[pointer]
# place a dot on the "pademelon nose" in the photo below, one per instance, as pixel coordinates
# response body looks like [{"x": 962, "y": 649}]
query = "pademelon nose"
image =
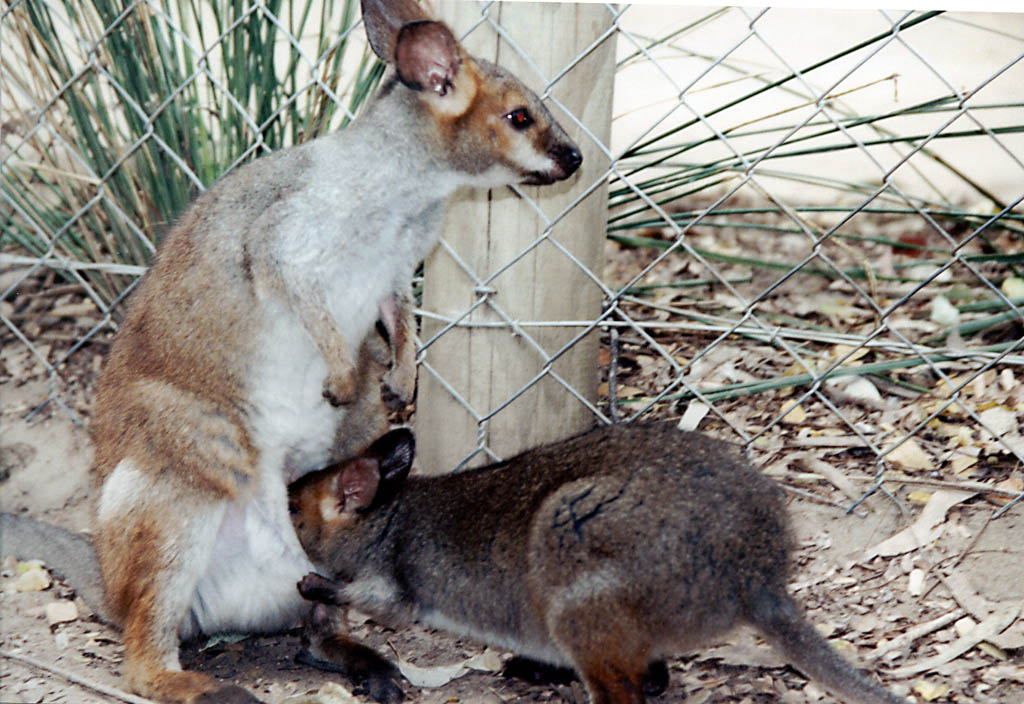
[{"x": 568, "y": 157}]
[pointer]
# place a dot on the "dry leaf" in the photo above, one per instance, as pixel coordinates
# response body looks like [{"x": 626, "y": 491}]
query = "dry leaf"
[
  {"x": 620, "y": 391},
  {"x": 930, "y": 692},
  {"x": 962, "y": 464},
  {"x": 793, "y": 414},
  {"x": 1000, "y": 420},
  {"x": 1011, "y": 484},
  {"x": 926, "y": 529},
  {"x": 1015, "y": 484},
  {"x": 439, "y": 676},
  {"x": 329, "y": 693},
  {"x": 838, "y": 479},
  {"x": 840, "y": 352},
  {"x": 431, "y": 677},
  {"x": 695, "y": 412},
  {"x": 487, "y": 661},
  {"x": 910, "y": 455}
]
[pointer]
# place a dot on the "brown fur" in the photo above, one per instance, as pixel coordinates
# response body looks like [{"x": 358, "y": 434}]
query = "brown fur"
[
  {"x": 137, "y": 565},
  {"x": 605, "y": 552}
]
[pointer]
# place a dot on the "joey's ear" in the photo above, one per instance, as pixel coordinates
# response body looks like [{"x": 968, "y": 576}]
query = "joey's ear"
[
  {"x": 396, "y": 451},
  {"x": 427, "y": 56},
  {"x": 357, "y": 484},
  {"x": 384, "y": 19}
]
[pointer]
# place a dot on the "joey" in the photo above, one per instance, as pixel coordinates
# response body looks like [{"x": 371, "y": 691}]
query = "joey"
[{"x": 605, "y": 553}]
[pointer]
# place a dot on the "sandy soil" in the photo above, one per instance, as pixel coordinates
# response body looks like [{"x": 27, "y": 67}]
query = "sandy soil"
[{"x": 857, "y": 601}]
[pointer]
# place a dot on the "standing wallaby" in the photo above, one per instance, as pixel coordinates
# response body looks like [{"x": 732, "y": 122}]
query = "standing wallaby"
[
  {"x": 606, "y": 553},
  {"x": 238, "y": 367}
]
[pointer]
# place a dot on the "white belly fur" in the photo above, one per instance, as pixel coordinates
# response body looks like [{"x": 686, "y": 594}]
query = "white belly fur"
[
  {"x": 290, "y": 421},
  {"x": 256, "y": 562}
]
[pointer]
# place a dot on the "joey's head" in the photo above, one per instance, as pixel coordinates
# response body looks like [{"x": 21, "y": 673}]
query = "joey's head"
[
  {"x": 489, "y": 127},
  {"x": 328, "y": 507}
]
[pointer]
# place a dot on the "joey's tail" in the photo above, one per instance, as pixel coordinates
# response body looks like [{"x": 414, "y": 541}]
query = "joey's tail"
[
  {"x": 779, "y": 619},
  {"x": 66, "y": 554}
]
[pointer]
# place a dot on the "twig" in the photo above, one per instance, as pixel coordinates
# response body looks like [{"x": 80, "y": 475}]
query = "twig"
[
  {"x": 832, "y": 474},
  {"x": 939, "y": 484},
  {"x": 903, "y": 642},
  {"x": 75, "y": 679},
  {"x": 811, "y": 497},
  {"x": 991, "y": 626}
]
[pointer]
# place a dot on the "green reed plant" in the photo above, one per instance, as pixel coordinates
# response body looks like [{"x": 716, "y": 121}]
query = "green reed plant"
[{"x": 117, "y": 116}]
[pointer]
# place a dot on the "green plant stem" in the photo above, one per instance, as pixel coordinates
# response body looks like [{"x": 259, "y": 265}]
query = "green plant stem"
[{"x": 747, "y": 388}]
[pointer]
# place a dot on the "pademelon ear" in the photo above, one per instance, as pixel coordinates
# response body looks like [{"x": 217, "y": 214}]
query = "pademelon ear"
[
  {"x": 357, "y": 485},
  {"x": 384, "y": 19},
  {"x": 395, "y": 451},
  {"x": 427, "y": 57}
]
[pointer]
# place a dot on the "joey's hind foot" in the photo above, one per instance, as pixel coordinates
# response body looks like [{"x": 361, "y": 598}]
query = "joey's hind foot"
[
  {"x": 228, "y": 694},
  {"x": 368, "y": 672},
  {"x": 327, "y": 646}
]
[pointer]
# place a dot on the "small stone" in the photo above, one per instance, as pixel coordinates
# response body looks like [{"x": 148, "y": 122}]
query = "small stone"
[
  {"x": 34, "y": 580},
  {"x": 61, "y": 612}
]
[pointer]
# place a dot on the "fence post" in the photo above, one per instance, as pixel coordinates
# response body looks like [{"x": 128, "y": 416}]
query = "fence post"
[{"x": 488, "y": 366}]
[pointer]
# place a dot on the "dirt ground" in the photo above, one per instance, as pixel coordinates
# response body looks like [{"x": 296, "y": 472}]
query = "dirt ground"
[{"x": 920, "y": 602}]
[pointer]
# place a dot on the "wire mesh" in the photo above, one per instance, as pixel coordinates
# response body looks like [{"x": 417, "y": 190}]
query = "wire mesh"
[{"x": 814, "y": 236}]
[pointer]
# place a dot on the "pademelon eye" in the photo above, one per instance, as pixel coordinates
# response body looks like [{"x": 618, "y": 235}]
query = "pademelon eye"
[{"x": 520, "y": 119}]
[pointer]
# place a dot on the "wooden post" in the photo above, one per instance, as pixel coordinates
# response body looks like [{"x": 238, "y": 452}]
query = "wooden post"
[{"x": 488, "y": 366}]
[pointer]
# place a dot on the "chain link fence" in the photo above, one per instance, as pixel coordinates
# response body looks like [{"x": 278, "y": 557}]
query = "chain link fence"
[{"x": 815, "y": 239}]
